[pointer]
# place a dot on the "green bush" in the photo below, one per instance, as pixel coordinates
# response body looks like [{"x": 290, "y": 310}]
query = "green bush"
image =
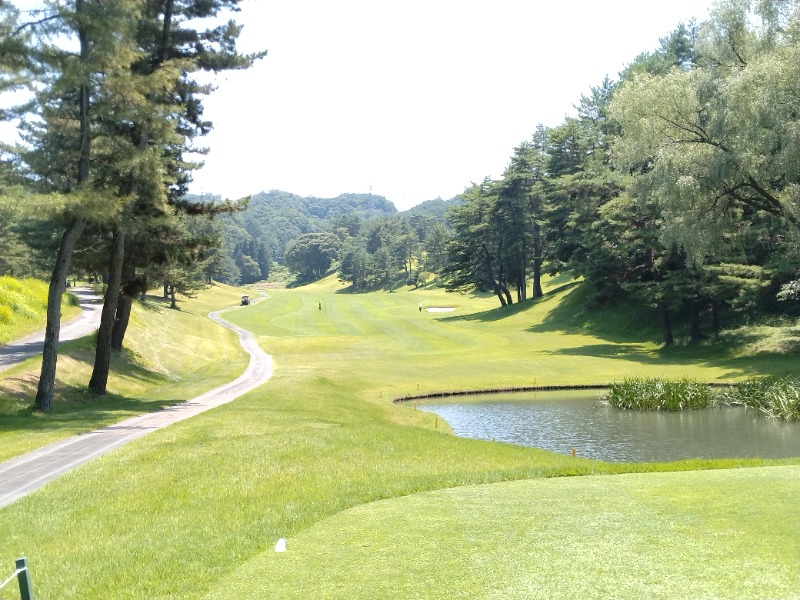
[
  {"x": 776, "y": 397},
  {"x": 659, "y": 394}
]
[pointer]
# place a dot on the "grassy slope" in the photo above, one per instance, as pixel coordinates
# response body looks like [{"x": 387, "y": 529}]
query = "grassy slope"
[
  {"x": 23, "y": 307},
  {"x": 174, "y": 514},
  {"x": 170, "y": 356}
]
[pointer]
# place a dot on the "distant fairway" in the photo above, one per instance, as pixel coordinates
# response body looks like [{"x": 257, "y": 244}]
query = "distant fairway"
[{"x": 197, "y": 507}]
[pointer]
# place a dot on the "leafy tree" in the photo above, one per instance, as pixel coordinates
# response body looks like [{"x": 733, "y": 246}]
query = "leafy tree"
[
  {"x": 435, "y": 248},
  {"x": 723, "y": 134},
  {"x": 519, "y": 213},
  {"x": 355, "y": 265},
  {"x": 476, "y": 249},
  {"x": 312, "y": 254},
  {"x": 172, "y": 48},
  {"x": 403, "y": 244},
  {"x": 248, "y": 268},
  {"x": 73, "y": 51},
  {"x": 677, "y": 50}
]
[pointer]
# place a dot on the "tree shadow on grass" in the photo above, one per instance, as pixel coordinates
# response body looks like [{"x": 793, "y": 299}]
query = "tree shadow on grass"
[
  {"x": 154, "y": 304},
  {"x": 74, "y": 406},
  {"x": 760, "y": 365},
  {"x": 631, "y": 331},
  {"x": 78, "y": 410},
  {"x": 504, "y": 312}
]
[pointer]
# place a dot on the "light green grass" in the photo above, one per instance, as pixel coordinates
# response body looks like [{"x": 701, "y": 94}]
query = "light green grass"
[
  {"x": 23, "y": 307},
  {"x": 169, "y": 357},
  {"x": 175, "y": 513},
  {"x": 590, "y": 537}
]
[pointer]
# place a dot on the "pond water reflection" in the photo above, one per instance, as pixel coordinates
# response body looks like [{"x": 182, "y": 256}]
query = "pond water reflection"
[{"x": 560, "y": 421}]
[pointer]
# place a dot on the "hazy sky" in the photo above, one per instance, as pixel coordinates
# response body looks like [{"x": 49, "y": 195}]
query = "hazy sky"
[{"x": 412, "y": 100}]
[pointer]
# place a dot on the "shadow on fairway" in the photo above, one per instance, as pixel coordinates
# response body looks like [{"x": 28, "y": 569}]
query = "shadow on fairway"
[
  {"x": 504, "y": 312},
  {"x": 77, "y": 409},
  {"x": 74, "y": 405}
]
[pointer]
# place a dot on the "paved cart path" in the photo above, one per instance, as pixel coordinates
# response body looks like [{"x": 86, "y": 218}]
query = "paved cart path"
[
  {"x": 24, "y": 474},
  {"x": 84, "y": 324}
]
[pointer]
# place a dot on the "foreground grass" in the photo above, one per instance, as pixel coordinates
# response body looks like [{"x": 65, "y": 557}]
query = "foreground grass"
[
  {"x": 170, "y": 356},
  {"x": 176, "y": 513},
  {"x": 588, "y": 537},
  {"x": 23, "y": 307}
]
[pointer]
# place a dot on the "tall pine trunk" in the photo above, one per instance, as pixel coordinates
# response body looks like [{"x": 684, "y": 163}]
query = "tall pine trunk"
[
  {"x": 124, "y": 305},
  {"x": 58, "y": 284},
  {"x": 537, "y": 261},
  {"x": 487, "y": 263},
  {"x": 666, "y": 326},
  {"x": 58, "y": 281},
  {"x": 102, "y": 357},
  {"x": 663, "y": 312},
  {"x": 715, "y": 319},
  {"x": 694, "y": 320}
]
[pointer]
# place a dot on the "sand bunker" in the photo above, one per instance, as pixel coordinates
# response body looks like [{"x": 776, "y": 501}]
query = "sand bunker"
[{"x": 440, "y": 308}]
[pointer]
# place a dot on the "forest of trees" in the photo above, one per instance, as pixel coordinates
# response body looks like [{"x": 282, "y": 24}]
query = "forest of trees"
[{"x": 675, "y": 185}]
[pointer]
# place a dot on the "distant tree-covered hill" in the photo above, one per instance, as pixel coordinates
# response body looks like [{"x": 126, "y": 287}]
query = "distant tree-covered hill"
[
  {"x": 258, "y": 236},
  {"x": 275, "y": 218},
  {"x": 435, "y": 210}
]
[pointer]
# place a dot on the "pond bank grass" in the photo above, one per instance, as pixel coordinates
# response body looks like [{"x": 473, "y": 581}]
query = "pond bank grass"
[
  {"x": 775, "y": 397},
  {"x": 640, "y": 393}
]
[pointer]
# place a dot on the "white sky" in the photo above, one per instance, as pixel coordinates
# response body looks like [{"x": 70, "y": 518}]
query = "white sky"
[{"x": 412, "y": 100}]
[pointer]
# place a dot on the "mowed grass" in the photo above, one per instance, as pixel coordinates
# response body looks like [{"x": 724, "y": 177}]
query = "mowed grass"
[
  {"x": 189, "y": 510},
  {"x": 588, "y": 537},
  {"x": 169, "y": 356}
]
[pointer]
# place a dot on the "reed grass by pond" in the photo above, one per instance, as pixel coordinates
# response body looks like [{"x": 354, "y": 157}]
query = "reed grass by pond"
[
  {"x": 775, "y": 397},
  {"x": 778, "y": 398}
]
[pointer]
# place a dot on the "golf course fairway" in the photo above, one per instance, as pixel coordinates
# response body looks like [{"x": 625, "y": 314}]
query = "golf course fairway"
[{"x": 375, "y": 501}]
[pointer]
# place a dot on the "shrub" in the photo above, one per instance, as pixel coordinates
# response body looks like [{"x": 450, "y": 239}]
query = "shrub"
[
  {"x": 658, "y": 394},
  {"x": 776, "y": 397}
]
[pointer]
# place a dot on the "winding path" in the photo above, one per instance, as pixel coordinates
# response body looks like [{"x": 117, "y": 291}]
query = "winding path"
[
  {"x": 26, "y": 473},
  {"x": 82, "y": 325}
]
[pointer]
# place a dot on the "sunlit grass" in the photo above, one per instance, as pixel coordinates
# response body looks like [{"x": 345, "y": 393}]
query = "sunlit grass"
[
  {"x": 169, "y": 356},
  {"x": 23, "y": 307},
  {"x": 589, "y": 537},
  {"x": 178, "y": 512}
]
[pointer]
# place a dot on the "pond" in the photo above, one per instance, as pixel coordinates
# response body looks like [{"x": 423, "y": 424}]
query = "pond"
[{"x": 561, "y": 421}]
